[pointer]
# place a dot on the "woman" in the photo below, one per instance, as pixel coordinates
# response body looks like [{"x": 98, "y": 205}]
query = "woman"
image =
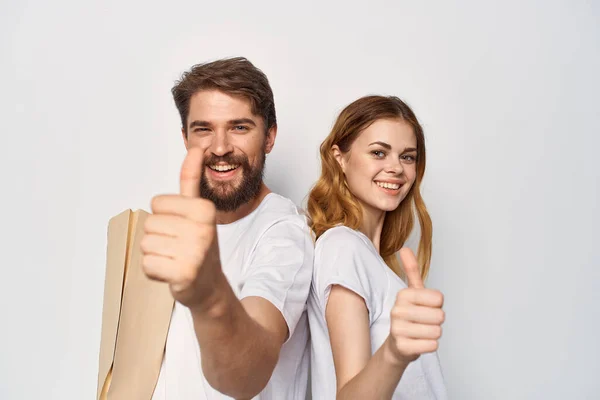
[{"x": 372, "y": 336}]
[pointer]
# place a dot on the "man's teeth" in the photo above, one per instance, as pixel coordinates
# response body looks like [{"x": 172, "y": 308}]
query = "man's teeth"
[
  {"x": 223, "y": 168},
  {"x": 394, "y": 186}
]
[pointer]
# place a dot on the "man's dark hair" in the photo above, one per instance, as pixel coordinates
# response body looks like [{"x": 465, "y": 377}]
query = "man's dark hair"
[{"x": 235, "y": 76}]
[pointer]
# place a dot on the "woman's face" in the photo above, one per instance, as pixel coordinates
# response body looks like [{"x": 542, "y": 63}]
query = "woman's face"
[{"x": 380, "y": 166}]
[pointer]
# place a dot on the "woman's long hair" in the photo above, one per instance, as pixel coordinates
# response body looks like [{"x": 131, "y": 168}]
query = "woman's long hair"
[{"x": 331, "y": 203}]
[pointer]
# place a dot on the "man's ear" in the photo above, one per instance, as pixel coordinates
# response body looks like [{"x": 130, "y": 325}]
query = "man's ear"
[
  {"x": 270, "y": 140},
  {"x": 185, "y": 139},
  {"x": 339, "y": 156}
]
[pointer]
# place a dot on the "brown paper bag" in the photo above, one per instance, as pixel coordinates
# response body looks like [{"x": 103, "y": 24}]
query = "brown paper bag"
[{"x": 135, "y": 316}]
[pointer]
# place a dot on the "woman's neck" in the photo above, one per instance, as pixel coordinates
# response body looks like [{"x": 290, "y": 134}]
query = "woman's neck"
[{"x": 372, "y": 224}]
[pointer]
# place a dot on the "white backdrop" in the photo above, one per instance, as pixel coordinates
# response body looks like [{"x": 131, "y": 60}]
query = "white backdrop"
[{"x": 507, "y": 93}]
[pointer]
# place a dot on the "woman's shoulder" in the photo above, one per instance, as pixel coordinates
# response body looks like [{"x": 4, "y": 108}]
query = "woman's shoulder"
[
  {"x": 346, "y": 257},
  {"x": 342, "y": 236},
  {"x": 346, "y": 245}
]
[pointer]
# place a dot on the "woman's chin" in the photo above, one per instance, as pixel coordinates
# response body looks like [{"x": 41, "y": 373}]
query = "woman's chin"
[{"x": 387, "y": 206}]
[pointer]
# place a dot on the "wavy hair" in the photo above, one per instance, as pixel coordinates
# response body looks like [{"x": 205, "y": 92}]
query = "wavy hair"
[
  {"x": 235, "y": 76},
  {"x": 331, "y": 203}
]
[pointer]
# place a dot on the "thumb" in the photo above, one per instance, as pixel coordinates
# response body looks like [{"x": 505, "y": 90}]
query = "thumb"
[
  {"x": 191, "y": 172},
  {"x": 411, "y": 268}
]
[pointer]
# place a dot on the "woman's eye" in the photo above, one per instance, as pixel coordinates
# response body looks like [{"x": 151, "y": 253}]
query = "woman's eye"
[
  {"x": 408, "y": 158},
  {"x": 378, "y": 153}
]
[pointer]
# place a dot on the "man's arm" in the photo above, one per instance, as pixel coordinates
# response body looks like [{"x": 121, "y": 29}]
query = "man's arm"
[
  {"x": 239, "y": 341},
  {"x": 243, "y": 338}
]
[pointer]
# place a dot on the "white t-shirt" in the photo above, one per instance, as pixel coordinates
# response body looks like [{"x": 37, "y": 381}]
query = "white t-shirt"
[
  {"x": 268, "y": 253},
  {"x": 348, "y": 258}
]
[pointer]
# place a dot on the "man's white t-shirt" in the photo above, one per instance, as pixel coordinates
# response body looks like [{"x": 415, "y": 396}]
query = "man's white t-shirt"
[
  {"x": 269, "y": 254},
  {"x": 348, "y": 258}
]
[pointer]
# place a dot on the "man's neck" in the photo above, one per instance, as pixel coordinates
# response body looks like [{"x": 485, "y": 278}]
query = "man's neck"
[{"x": 227, "y": 217}]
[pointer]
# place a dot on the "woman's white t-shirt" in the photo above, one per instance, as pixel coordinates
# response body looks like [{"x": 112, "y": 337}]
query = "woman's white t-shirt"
[{"x": 348, "y": 258}]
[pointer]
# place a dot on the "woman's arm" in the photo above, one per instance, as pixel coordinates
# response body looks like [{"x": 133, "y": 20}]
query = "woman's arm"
[
  {"x": 415, "y": 329},
  {"x": 359, "y": 376}
]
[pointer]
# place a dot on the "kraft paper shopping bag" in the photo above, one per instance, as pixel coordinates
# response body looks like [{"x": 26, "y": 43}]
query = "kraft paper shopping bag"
[{"x": 135, "y": 316}]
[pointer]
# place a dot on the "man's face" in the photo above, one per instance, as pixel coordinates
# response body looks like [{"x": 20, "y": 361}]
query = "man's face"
[{"x": 235, "y": 144}]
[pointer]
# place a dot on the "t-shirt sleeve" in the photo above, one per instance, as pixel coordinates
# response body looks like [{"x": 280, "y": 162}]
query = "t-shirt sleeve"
[
  {"x": 344, "y": 259},
  {"x": 280, "y": 269}
]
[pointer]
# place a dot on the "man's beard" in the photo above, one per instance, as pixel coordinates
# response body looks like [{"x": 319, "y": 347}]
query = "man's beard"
[{"x": 223, "y": 194}]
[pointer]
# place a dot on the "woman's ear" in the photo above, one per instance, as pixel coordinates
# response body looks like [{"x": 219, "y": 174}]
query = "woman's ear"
[{"x": 339, "y": 157}]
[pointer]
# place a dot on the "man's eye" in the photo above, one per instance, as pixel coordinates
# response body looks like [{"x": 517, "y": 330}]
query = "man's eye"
[{"x": 240, "y": 128}]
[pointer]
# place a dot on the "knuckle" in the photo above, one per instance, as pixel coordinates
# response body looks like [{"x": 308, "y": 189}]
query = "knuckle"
[
  {"x": 148, "y": 224},
  {"x": 148, "y": 267},
  {"x": 399, "y": 297},
  {"x": 203, "y": 211},
  {"x": 145, "y": 243},
  {"x": 208, "y": 206},
  {"x": 155, "y": 202},
  {"x": 442, "y": 316},
  {"x": 439, "y": 297},
  {"x": 400, "y": 313},
  {"x": 402, "y": 295},
  {"x": 145, "y": 263}
]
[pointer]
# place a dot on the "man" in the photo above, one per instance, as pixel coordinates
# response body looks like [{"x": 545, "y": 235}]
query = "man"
[{"x": 237, "y": 257}]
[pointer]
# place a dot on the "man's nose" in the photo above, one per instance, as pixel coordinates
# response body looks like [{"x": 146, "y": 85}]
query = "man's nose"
[{"x": 220, "y": 144}]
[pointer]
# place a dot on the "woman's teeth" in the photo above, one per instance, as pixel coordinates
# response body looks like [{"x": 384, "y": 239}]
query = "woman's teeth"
[
  {"x": 385, "y": 185},
  {"x": 222, "y": 168}
]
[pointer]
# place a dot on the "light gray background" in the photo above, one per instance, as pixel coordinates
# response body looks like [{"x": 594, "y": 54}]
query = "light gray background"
[{"x": 507, "y": 92}]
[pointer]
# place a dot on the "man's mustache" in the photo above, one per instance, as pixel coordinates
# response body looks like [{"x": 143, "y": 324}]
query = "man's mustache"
[{"x": 228, "y": 159}]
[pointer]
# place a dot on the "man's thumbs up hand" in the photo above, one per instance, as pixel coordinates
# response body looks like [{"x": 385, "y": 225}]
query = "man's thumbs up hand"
[{"x": 180, "y": 243}]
